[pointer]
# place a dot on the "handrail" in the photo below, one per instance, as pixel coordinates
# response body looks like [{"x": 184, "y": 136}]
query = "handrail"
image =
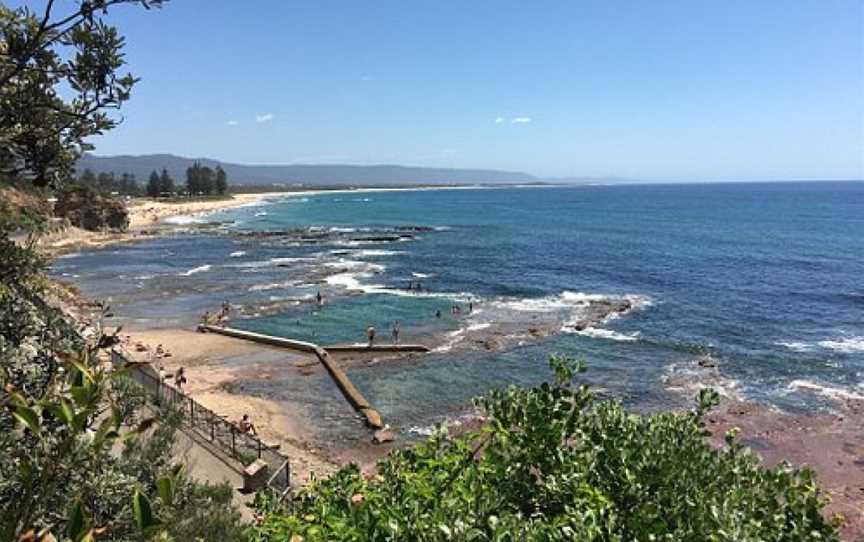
[{"x": 211, "y": 426}]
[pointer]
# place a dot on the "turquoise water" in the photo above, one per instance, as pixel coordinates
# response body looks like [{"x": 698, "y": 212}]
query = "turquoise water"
[{"x": 764, "y": 281}]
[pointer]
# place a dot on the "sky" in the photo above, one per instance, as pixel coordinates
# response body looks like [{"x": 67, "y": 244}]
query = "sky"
[{"x": 664, "y": 90}]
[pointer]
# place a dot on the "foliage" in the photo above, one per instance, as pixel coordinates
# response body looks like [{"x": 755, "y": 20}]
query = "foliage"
[
  {"x": 84, "y": 208},
  {"x": 201, "y": 180},
  {"x": 551, "y": 463},
  {"x": 44, "y": 57},
  {"x": 109, "y": 183},
  {"x": 79, "y": 452}
]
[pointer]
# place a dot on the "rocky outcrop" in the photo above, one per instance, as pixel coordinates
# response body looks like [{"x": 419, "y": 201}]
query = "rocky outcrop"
[{"x": 88, "y": 210}]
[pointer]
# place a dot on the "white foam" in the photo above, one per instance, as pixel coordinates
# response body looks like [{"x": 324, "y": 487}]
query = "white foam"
[
  {"x": 848, "y": 345},
  {"x": 421, "y": 275},
  {"x": 372, "y": 253},
  {"x": 181, "y": 220},
  {"x": 350, "y": 281},
  {"x": 845, "y": 345},
  {"x": 292, "y": 260},
  {"x": 261, "y": 213},
  {"x": 601, "y": 333},
  {"x": 478, "y": 327},
  {"x": 832, "y": 392},
  {"x": 336, "y": 229},
  {"x": 144, "y": 277},
  {"x": 194, "y": 270},
  {"x": 237, "y": 254},
  {"x": 796, "y": 346},
  {"x": 271, "y": 286}
]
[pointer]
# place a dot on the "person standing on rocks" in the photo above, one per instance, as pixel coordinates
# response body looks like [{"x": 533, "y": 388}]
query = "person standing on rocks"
[
  {"x": 396, "y": 332},
  {"x": 370, "y": 334}
]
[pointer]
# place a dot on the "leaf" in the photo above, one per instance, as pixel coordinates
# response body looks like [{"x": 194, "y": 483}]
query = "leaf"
[
  {"x": 28, "y": 417},
  {"x": 76, "y": 524},
  {"x": 166, "y": 486},
  {"x": 143, "y": 512},
  {"x": 62, "y": 411}
]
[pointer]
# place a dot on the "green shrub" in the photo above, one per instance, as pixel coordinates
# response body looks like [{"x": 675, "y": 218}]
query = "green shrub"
[{"x": 551, "y": 463}]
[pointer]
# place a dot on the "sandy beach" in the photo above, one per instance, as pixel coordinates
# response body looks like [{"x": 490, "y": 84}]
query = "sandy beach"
[{"x": 146, "y": 220}]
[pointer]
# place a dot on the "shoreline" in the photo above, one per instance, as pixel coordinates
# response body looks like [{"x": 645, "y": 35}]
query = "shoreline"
[
  {"x": 147, "y": 217},
  {"x": 830, "y": 443},
  {"x": 146, "y": 221}
]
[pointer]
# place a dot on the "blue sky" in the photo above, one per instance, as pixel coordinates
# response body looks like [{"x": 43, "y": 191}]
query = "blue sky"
[{"x": 660, "y": 90}]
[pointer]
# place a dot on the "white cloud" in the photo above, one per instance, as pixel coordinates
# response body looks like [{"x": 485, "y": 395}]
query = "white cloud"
[
  {"x": 266, "y": 117},
  {"x": 521, "y": 120},
  {"x": 232, "y": 123},
  {"x": 499, "y": 120}
]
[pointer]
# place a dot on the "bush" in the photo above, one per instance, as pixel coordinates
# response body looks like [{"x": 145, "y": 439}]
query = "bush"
[{"x": 551, "y": 463}]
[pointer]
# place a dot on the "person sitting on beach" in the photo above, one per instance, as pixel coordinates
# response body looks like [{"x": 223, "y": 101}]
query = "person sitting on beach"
[
  {"x": 396, "y": 332},
  {"x": 370, "y": 334},
  {"x": 245, "y": 426},
  {"x": 180, "y": 378}
]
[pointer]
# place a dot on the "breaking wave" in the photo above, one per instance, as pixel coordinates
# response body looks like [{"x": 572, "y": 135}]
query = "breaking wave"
[{"x": 199, "y": 269}]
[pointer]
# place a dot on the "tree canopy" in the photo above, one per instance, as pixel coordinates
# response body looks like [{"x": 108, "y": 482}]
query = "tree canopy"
[{"x": 42, "y": 133}]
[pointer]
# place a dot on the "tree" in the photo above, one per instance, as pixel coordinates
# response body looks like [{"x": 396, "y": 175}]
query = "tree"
[
  {"x": 44, "y": 57},
  {"x": 193, "y": 179},
  {"x": 221, "y": 185},
  {"x": 166, "y": 183},
  {"x": 154, "y": 185},
  {"x": 207, "y": 180}
]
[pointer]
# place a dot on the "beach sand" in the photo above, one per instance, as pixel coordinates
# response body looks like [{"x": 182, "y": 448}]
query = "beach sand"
[
  {"x": 214, "y": 365},
  {"x": 146, "y": 218}
]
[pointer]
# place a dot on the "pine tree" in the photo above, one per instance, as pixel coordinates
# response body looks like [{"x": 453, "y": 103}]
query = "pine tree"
[
  {"x": 221, "y": 181},
  {"x": 207, "y": 180},
  {"x": 154, "y": 185},
  {"x": 166, "y": 183},
  {"x": 193, "y": 179}
]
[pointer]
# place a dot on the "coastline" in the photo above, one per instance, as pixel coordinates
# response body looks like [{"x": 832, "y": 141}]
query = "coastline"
[
  {"x": 832, "y": 444},
  {"x": 146, "y": 220}
]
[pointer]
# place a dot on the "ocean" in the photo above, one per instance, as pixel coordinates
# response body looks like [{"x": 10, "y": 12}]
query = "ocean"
[{"x": 754, "y": 289}]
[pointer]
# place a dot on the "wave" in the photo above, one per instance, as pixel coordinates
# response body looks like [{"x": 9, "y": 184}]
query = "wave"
[
  {"x": 271, "y": 286},
  {"x": 261, "y": 213},
  {"x": 372, "y": 253},
  {"x": 600, "y": 333},
  {"x": 194, "y": 270},
  {"x": 422, "y": 275},
  {"x": 181, "y": 220},
  {"x": 237, "y": 254},
  {"x": 845, "y": 345},
  {"x": 144, "y": 277}
]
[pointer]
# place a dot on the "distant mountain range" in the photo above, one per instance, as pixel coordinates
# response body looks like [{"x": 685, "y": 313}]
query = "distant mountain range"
[{"x": 314, "y": 175}]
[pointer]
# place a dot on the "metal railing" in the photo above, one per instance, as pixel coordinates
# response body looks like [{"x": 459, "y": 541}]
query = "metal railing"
[{"x": 209, "y": 425}]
